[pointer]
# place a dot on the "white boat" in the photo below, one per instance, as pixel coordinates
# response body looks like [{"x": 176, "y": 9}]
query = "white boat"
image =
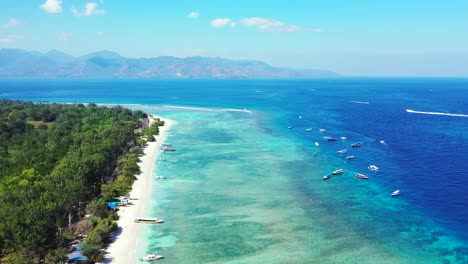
[
  {"x": 326, "y": 177},
  {"x": 343, "y": 138},
  {"x": 151, "y": 257},
  {"x": 382, "y": 142},
  {"x": 290, "y": 127},
  {"x": 308, "y": 129},
  {"x": 160, "y": 177},
  {"x": 373, "y": 168},
  {"x": 343, "y": 151},
  {"x": 317, "y": 144},
  {"x": 337, "y": 172},
  {"x": 300, "y": 117},
  {"x": 350, "y": 157},
  {"x": 148, "y": 220},
  {"x": 322, "y": 130},
  {"x": 396, "y": 193}
]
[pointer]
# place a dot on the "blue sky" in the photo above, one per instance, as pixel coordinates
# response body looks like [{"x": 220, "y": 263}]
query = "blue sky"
[{"x": 362, "y": 38}]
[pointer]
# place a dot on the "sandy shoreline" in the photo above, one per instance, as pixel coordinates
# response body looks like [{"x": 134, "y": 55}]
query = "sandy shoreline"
[{"x": 125, "y": 246}]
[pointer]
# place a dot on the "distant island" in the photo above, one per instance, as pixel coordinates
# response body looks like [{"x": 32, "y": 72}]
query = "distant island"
[{"x": 15, "y": 63}]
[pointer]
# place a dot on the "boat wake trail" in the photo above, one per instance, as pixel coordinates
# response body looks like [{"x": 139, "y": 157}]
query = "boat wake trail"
[
  {"x": 435, "y": 113},
  {"x": 359, "y": 102}
]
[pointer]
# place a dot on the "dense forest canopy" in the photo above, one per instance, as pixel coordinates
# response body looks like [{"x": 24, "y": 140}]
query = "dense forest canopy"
[{"x": 58, "y": 162}]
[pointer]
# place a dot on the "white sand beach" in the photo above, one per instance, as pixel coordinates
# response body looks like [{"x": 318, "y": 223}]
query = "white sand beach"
[{"x": 125, "y": 246}]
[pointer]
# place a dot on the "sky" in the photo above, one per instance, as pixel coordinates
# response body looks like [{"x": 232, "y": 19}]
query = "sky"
[{"x": 355, "y": 38}]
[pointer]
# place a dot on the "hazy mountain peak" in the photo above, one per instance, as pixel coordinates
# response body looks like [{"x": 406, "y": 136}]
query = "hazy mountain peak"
[{"x": 109, "y": 64}]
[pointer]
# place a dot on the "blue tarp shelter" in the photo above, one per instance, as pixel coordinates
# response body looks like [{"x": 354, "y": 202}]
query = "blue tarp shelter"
[
  {"x": 112, "y": 205},
  {"x": 77, "y": 256}
]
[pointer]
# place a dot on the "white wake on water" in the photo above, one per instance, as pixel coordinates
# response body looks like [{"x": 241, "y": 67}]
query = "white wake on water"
[{"x": 435, "y": 113}]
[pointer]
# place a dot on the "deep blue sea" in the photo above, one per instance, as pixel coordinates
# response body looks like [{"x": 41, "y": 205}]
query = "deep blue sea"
[{"x": 423, "y": 155}]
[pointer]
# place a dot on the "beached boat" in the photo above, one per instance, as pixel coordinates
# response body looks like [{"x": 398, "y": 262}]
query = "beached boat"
[
  {"x": 160, "y": 177},
  {"x": 317, "y": 144},
  {"x": 308, "y": 129},
  {"x": 337, "y": 172},
  {"x": 151, "y": 257},
  {"x": 350, "y": 157},
  {"x": 362, "y": 176},
  {"x": 343, "y": 151},
  {"x": 343, "y": 138},
  {"x": 373, "y": 168},
  {"x": 322, "y": 130},
  {"x": 148, "y": 220},
  {"x": 326, "y": 177},
  {"x": 356, "y": 145},
  {"x": 396, "y": 193}
]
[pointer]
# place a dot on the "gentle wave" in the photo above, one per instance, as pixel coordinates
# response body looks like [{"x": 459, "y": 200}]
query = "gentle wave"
[
  {"x": 208, "y": 109},
  {"x": 435, "y": 113},
  {"x": 359, "y": 102}
]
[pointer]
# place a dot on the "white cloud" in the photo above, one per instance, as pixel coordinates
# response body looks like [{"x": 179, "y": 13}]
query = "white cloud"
[
  {"x": 261, "y": 23},
  {"x": 52, "y": 6},
  {"x": 13, "y": 22},
  {"x": 64, "y": 36},
  {"x": 273, "y": 25},
  {"x": 221, "y": 22},
  {"x": 10, "y": 39},
  {"x": 193, "y": 14},
  {"x": 90, "y": 9}
]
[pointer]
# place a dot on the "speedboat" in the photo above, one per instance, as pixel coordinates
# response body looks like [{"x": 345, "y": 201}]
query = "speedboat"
[
  {"x": 373, "y": 168},
  {"x": 290, "y": 127},
  {"x": 151, "y": 257},
  {"x": 343, "y": 138},
  {"x": 350, "y": 157},
  {"x": 382, "y": 142},
  {"x": 317, "y": 144},
  {"x": 322, "y": 130},
  {"x": 356, "y": 145},
  {"x": 339, "y": 171},
  {"x": 326, "y": 177},
  {"x": 396, "y": 193},
  {"x": 343, "y": 151},
  {"x": 362, "y": 176},
  {"x": 309, "y": 129}
]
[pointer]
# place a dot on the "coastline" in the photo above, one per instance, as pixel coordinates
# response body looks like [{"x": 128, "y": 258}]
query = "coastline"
[{"x": 124, "y": 246}]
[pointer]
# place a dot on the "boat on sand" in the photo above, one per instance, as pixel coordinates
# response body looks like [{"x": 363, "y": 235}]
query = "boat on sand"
[{"x": 151, "y": 257}]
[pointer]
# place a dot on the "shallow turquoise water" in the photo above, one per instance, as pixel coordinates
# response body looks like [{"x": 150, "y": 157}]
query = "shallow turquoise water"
[{"x": 238, "y": 193}]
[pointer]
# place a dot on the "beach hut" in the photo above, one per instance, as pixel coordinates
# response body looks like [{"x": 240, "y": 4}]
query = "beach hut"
[{"x": 77, "y": 257}]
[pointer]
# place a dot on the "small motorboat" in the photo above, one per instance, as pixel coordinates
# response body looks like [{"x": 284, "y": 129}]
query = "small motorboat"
[
  {"x": 317, "y": 144},
  {"x": 160, "y": 177},
  {"x": 300, "y": 117},
  {"x": 343, "y": 138},
  {"x": 350, "y": 157},
  {"x": 326, "y": 177},
  {"x": 330, "y": 138},
  {"x": 373, "y": 168},
  {"x": 343, "y": 151},
  {"x": 396, "y": 193},
  {"x": 151, "y": 257},
  {"x": 290, "y": 127},
  {"x": 162, "y": 159},
  {"x": 382, "y": 142},
  {"x": 337, "y": 172},
  {"x": 308, "y": 129},
  {"x": 356, "y": 145},
  {"x": 361, "y": 176},
  {"x": 322, "y": 130}
]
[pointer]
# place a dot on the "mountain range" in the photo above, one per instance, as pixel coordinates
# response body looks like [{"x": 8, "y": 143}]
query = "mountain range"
[{"x": 15, "y": 63}]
